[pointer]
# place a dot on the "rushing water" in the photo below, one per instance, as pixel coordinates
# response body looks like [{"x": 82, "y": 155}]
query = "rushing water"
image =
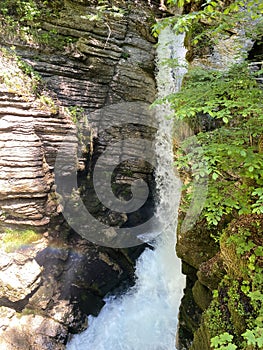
[{"x": 145, "y": 318}]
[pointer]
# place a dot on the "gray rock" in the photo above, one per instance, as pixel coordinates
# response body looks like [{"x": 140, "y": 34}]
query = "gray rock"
[{"x": 48, "y": 289}]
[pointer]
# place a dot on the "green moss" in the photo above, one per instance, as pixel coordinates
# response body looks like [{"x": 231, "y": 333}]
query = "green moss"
[
  {"x": 27, "y": 311},
  {"x": 17, "y": 76},
  {"x": 236, "y": 266},
  {"x": 202, "y": 295},
  {"x": 211, "y": 272},
  {"x": 46, "y": 102},
  {"x": 22, "y": 21},
  {"x": 237, "y": 305},
  {"x": 13, "y": 240},
  {"x": 201, "y": 339}
]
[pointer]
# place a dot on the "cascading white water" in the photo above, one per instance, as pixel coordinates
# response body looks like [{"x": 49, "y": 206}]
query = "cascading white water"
[{"x": 145, "y": 318}]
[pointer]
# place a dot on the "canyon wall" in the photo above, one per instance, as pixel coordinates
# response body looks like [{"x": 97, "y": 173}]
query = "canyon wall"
[
  {"x": 218, "y": 301},
  {"x": 91, "y": 80}
]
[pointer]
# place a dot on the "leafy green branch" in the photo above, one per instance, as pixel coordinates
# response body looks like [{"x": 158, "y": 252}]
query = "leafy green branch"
[
  {"x": 105, "y": 9},
  {"x": 223, "y": 342},
  {"x": 205, "y": 21},
  {"x": 21, "y": 21},
  {"x": 225, "y": 111}
]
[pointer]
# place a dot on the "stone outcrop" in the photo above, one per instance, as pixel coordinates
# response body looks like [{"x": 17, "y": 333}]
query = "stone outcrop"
[
  {"x": 29, "y": 139},
  {"x": 18, "y": 277},
  {"x": 232, "y": 307},
  {"x": 106, "y": 66},
  {"x": 15, "y": 335}
]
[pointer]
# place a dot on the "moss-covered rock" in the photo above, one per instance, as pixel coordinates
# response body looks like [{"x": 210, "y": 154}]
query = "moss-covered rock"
[
  {"x": 237, "y": 305},
  {"x": 211, "y": 271},
  {"x": 196, "y": 245},
  {"x": 189, "y": 315},
  {"x": 201, "y": 339},
  {"x": 202, "y": 295}
]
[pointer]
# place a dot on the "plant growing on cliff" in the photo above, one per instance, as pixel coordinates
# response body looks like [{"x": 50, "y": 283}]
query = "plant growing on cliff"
[
  {"x": 47, "y": 103},
  {"x": 254, "y": 337},
  {"x": 15, "y": 239},
  {"x": 224, "y": 108},
  {"x": 239, "y": 294},
  {"x": 103, "y": 12},
  {"x": 104, "y": 9},
  {"x": 223, "y": 342},
  {"x": 18, "y": 76},
  {"x": 206, "y": 20},
  {"x": 77, "y": 113},
  {"x": 225, "y": 111},
  {"x": 22, "y": 20}
]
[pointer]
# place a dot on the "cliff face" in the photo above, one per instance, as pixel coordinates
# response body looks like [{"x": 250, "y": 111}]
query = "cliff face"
[
  {"x": 99, "y": 64},
  {"x": 223, "y": 259},
  {"x": 106, "y": 62},
  {"x": 29, "y": 139},
  {"x": 51, "y": 277}
]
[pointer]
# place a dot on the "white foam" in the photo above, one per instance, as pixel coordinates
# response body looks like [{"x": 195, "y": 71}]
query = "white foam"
[{"x": 146, "y": 317}]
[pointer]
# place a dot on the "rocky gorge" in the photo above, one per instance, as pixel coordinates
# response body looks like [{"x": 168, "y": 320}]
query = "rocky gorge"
[
  {"x": 71, "y": 69},
  {"x": 56, "y": 277}
]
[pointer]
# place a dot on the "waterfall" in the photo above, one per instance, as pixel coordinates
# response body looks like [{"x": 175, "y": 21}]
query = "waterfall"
[{"x": 146, "y": 317}]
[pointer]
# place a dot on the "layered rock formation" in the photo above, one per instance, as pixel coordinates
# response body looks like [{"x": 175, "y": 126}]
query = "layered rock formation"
[
  {"x": 109, "y": 62},
  {"x": 29, "y": 139}
]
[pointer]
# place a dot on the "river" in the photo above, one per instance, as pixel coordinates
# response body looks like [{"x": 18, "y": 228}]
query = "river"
[{"x": 146, "y": 317}]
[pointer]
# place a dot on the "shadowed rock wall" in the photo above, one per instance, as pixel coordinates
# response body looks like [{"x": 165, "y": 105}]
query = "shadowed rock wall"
[{"x": 105, "y": 63}]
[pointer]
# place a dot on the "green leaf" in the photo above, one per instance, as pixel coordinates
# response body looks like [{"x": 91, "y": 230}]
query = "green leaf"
[
  {"x": 226, "y": 337},
  {"x": 243, "y": 153},
  {"x": 215, "y": 341},
  {"x": 257, "y": 295},
  {"x": 209, "y": 8},
  {"x": 258, "y": 191},
  {"x": 230, "y": 347},
  {"x": 259, "y": 251},
  {"x": 215, "y": 176},
  {"x": 250, "y": 337}
]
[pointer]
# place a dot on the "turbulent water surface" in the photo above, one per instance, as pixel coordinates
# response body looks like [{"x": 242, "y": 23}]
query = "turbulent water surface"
[{"x": 145, "y": 318}]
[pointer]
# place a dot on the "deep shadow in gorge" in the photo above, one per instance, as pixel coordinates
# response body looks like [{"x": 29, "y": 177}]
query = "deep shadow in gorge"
[{"x": 69, "y": 275}]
